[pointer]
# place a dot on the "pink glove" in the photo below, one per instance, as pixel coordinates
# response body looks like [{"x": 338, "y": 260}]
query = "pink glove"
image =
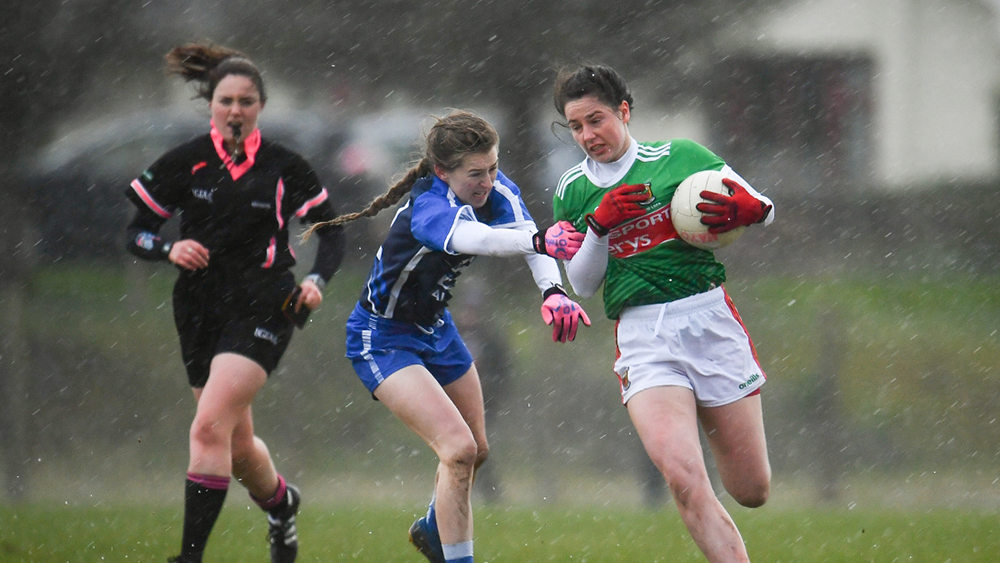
[
  {"x": 558, "y": 241},
  {"x": 564, "y": 315},
  {"x": 728, "y": 212}
]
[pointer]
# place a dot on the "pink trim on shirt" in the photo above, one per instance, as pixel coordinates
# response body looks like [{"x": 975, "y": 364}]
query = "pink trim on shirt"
[
  {"x": 272, "y": 249},
  {"x": 250, "y": 145},
  {"x": 146, "y": 197},
  {"x": 279, "y": 194},
  {"x": 312, "y": 203}
]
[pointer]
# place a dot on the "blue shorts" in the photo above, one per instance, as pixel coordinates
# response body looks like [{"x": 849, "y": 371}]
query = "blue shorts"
[{"x": 379, "y": 347}]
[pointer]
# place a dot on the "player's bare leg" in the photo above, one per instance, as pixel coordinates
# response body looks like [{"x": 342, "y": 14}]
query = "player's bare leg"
[
  {"x": 666, "y": 420},
  {"x": 418, "y": 400},
  {"x": 223, "y": 404},
  {"x": 252, "y": 464},
  {"x": 251, "y": 460},
  {"x": 735, "y": 434},
  {"x": 467, "y": 394}
]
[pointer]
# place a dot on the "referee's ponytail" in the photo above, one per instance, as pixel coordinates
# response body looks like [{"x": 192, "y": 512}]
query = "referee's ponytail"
[
  {"x": 451, "y": 139},
  {"x": 207, "y": 64}
]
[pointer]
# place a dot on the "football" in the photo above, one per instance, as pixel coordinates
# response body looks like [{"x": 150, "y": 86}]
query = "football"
[{"x": 686, "y": 217}]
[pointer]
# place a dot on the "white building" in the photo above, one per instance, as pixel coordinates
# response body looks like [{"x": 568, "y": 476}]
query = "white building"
[{"x": 897, "y": 93}]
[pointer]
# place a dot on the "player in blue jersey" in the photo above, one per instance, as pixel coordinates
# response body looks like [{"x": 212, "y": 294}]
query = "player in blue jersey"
[{"x": 401, "y": 337}]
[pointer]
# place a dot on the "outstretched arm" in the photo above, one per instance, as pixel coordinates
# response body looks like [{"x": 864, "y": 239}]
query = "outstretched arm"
[
  {"x": 586, "y": 270},
  {"x": 472, "y": 237}
]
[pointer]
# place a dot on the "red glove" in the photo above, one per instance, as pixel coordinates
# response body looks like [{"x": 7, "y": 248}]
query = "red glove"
[
  {"x": 564, "y": 315},
  {"x": 558, "y": 241},
  {"x": 728, "y": 212},
  {"x": 617, "y": 206}
]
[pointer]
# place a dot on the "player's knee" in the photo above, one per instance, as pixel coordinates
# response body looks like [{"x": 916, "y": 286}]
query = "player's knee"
[
  {"x": 460, "y": 455},
  {"x": 687, "y": 480},
  {"x": 750, "y": 487},
  {"x": 207, "y": 434}
]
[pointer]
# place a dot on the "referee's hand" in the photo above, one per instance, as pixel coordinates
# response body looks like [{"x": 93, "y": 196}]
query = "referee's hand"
[
  {"x": 311, "y": 296},
  {"x": 189, "y": 254}
]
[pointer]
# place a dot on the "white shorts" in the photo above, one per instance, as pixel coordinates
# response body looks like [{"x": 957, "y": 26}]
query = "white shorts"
[{"x": 698, "y": 342}]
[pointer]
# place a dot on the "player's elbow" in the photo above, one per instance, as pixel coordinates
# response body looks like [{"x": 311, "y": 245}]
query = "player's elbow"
[
  {"x": 583, "y": 292},
  {"x": 582, "y": 286}
]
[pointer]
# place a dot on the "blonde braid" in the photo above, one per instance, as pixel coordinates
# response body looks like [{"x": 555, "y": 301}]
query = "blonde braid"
[{"x": 388, "y": 199}]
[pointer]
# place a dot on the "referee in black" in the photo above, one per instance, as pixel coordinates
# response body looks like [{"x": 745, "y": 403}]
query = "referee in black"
[{"x": 235, "y": 301}]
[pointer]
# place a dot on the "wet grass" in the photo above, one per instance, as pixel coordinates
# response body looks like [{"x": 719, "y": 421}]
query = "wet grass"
[{"x": 75, "y": 534}]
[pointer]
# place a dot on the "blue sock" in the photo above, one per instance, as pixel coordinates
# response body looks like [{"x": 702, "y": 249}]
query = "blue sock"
[
  {"x": 458, "y": 552},
  {"x": 432, "y": 516}
]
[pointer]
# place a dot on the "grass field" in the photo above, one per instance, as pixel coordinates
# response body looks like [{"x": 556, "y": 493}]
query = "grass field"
[
  {"x": 917, "y": 476},
  {"x": 74, "y": 534}
]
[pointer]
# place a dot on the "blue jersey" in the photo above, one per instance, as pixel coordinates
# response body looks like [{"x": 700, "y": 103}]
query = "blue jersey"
[{"x": 415, "y": 268}]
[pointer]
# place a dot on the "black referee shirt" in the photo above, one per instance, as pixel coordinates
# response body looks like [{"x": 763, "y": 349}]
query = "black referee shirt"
[{"x": 240, "y": 213}]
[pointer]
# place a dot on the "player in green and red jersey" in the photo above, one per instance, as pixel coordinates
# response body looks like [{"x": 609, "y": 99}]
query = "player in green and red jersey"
[{"x": 684, "y": 357}]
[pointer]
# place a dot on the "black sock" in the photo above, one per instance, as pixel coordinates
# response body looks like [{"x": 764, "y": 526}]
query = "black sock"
[{"x": 202, "y": 506}]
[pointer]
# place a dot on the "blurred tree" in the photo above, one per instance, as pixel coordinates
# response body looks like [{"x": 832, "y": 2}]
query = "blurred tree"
[
  {"x": 501, "y": 53},
  {"x": 22, "y": 62},
  {"x": 51, "y": 52}
]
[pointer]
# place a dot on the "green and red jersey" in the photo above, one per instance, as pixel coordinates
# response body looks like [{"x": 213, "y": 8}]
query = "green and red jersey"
[{"x": 647, "y": 263}]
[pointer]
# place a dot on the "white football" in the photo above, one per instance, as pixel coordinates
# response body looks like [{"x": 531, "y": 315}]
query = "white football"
[{"x": 686, "y": 217}]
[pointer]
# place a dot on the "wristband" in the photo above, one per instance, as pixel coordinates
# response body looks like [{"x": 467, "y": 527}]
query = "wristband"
[
  {"x": 554, "y": 290},
  {"x": 316, "y": 279},
  {"x": 593, "y": 225},
  {"x": 538, "y": 242}
]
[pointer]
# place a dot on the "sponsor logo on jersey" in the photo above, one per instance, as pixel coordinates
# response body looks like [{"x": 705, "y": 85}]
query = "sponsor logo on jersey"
[
  {"x": 260, "y": 204},
  {"x": 198, "y": 167},
  {"x": 750, "y": 381},
  {"x": 202, "y": 193},
  {"x": 265, "y": 334},
  {"x": 644, "y": 233}
]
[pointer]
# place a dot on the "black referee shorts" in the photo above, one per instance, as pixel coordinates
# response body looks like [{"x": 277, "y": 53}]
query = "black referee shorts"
[{"x": 213, "y": 320}]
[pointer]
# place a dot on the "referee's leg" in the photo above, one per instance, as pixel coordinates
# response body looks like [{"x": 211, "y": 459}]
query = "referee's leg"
[{"x": 223, "y": 404}]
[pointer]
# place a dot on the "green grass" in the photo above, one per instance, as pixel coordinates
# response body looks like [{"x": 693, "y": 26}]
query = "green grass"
[
  {"x": 918, "y": 391},
  {"x": 75, "y": 534}
]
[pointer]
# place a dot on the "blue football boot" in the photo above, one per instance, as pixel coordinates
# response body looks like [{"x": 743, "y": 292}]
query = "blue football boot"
[{"x": 426, "y": 540}]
